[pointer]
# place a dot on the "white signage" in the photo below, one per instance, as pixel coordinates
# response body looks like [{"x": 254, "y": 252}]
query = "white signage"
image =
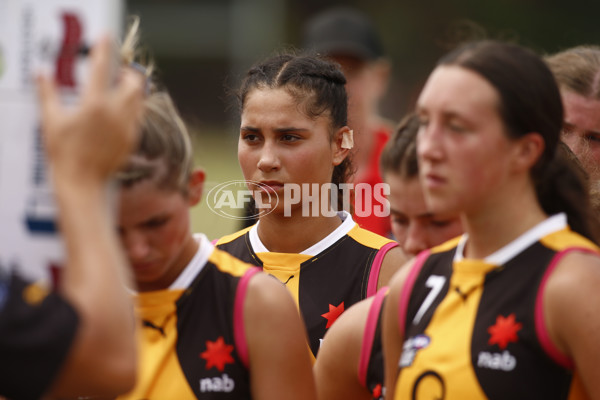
[{"x": 54, "y": 36}]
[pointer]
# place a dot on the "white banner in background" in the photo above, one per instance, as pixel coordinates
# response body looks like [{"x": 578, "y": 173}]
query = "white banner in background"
[{"x": 54, "y": 35}]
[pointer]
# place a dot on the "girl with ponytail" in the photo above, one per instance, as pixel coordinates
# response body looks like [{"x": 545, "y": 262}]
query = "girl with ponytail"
[{"x": 508, "y": 310}]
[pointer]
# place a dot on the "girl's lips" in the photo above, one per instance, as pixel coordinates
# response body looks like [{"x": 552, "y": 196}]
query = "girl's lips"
[
  {"x": 142, "y": 266},
  {"x": 270, "y": 186},
  {"x": 433, "y": 181}
]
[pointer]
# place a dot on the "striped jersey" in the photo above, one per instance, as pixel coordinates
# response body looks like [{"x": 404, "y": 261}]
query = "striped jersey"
[
  {"x": 192, "y": 341},
  {"x": 326, "y": 278},
  {"x": 474, "y": 328}
]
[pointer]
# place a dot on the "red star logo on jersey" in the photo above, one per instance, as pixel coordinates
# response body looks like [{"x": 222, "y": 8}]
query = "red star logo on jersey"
[
  {"x": 217, "y": 354},
  {"x": 504, "y": 331},
  {"x": 377, "y": 391},
  {"x": 333, "y": 314}
]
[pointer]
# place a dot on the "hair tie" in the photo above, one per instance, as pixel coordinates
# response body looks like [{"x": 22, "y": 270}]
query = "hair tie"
[{"x": 144, "y": 71}]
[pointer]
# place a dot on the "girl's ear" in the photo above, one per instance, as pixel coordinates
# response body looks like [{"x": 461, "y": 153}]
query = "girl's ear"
[
  {"x": 195, "y": 186},
  {"x": 342, "y": 143},
  {"x": 528, "y": 151}
]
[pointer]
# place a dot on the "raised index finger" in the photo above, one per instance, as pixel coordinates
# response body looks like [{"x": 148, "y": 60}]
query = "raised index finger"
[{"x": 100, "y": 68}]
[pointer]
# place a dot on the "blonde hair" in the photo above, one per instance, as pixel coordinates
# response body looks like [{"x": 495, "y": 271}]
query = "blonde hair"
[
  {"x": 164, "y": 154},
  {"x": 578, "y": 70},
  {"x": 130, "y": 50}
]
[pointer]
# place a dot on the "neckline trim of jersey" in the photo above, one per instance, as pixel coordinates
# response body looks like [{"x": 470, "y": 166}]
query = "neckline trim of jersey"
[
  {"x": 196, "y": 264},
  {"x": 339, "y": 232},
  {"x": 502, "y": 256}
]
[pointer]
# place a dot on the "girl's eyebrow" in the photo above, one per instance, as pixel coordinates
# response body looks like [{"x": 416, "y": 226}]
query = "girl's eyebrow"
[
  {"x": 290, "y": 129},
  {"x": 286, "y": 129}
]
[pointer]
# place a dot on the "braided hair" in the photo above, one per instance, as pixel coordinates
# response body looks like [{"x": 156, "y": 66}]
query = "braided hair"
[{"x": 317, "y": 86}]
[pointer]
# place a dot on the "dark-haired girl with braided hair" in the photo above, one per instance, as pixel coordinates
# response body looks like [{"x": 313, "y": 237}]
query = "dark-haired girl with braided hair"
[{"x": 294, "y": 141}]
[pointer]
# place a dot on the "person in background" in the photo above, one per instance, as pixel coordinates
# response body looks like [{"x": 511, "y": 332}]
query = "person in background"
[
  {"x": 415, "y": 228},
  {"x": 348, "y": 37},
  {"x": 350, "y": 363},
  {"x": 79, "y": 339},
  {"x": 508, "y": 309},
  {"x": 577, "y": 71},
  {"x": 294, "y": 135},
  {"x": 212, "y": 326}
]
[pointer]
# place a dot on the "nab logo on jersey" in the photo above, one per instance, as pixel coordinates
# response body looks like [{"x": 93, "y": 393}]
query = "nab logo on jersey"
[
  {"x": 217, "y": 354},
  {"x": 503, "y": 332},
  {"x": 499, "y": 361},
  {"x": 217, "y": 384}
]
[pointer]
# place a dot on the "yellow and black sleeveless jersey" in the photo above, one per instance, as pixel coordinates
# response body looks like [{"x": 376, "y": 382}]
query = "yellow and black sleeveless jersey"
[
  {"x": 325, "y": 279},
  {"x": 37, "y": 329},
  {"x": 370, "y": 364},
  {"x": 192, "y": 338},
  {"x": 474, "y": 328}
]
